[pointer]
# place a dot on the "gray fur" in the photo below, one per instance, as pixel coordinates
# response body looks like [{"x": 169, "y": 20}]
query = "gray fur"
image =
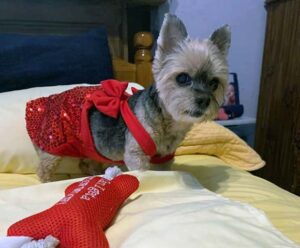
[
  {"x": 172, "y": 32},
  {"x": 222, "y": 38},
  {"x": 167, "y": 110}
]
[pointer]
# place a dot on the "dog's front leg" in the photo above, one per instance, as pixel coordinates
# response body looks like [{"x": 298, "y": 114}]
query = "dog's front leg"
[{"x": 134, "y": 156}]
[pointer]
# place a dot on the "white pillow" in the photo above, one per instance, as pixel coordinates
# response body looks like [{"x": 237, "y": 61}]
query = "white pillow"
[{"x": 17, "y": 154}]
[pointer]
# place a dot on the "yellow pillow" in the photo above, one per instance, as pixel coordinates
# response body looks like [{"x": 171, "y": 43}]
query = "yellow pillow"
[{"x": 211, "y": 138}]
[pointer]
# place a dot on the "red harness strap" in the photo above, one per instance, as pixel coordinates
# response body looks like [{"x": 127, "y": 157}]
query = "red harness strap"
[
  {"x": 137, "y": 130},
  {"x": 142, "y": 136},
  {"x": 111, "y": 100}
]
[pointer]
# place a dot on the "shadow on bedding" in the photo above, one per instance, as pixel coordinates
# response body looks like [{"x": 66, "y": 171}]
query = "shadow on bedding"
[{"x": 211, "y": 177}]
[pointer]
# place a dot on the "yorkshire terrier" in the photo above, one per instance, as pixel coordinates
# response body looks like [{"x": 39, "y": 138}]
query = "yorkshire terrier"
[{"x": 190, "y": 81}]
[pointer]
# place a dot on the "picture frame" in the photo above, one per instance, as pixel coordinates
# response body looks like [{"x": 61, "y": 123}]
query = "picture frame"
[{"x": 232, "y": 93}]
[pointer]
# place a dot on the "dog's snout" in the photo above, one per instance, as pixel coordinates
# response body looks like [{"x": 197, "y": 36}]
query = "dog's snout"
[{"x": 203, "y": 103}]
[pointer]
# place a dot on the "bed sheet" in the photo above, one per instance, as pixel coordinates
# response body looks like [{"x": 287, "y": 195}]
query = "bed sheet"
[{"x": 281, "y": 207}]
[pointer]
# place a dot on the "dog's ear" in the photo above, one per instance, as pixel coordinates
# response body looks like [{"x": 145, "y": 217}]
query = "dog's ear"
[
  {"x": 222, "y": 39},
  {"x": 171, "y": 33}
]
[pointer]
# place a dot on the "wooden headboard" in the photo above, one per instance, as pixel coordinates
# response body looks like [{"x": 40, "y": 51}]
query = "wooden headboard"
[{"x": 74, "y": 16}]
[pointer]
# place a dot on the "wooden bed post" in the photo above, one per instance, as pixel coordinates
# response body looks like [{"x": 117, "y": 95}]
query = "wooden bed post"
[{"x": 143, "y": 42}]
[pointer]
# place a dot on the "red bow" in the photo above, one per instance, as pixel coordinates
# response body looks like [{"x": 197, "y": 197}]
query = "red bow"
[{"x": 108, "y": 99}]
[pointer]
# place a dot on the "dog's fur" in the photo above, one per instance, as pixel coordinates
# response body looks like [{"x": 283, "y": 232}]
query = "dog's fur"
[{"x": 167, "y": 109}]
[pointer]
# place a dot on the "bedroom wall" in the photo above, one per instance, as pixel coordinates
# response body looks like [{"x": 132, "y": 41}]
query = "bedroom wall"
[{"x": 247, "y": 19}]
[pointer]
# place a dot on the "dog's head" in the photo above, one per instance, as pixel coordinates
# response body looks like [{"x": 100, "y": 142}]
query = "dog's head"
[{"x": 190, "y": 74}]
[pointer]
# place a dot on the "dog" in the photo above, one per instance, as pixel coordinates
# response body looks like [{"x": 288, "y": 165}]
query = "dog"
[{"x": 190, "y": 82}]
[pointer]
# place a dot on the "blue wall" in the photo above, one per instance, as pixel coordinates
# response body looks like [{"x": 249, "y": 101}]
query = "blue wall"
[{"x": 247, "y": 19}]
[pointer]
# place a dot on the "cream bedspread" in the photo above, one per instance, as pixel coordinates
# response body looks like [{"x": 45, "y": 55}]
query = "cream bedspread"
[{"x": 281, "y": 207}]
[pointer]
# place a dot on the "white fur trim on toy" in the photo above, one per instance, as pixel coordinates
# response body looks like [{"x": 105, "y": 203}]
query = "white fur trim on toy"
[
  {"x": 27, "y": 242},
  {"x": 112, "y": 172}
]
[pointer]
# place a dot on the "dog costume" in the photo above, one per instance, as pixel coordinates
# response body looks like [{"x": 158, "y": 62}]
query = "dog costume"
[{"x": 59, "y": 124}]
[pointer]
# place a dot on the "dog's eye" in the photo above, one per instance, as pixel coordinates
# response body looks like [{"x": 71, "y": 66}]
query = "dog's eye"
[
  {"x": 183, "y": 79},
  {"x": 214, "y": 83}
]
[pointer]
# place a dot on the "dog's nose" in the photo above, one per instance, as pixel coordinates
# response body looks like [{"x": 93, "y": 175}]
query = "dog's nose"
[{"x": 203, "y": 102}]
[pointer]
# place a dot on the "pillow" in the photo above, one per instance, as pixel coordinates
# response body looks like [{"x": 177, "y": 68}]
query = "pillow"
[
  {"x": 213, "y": 139},
  {"x": 43, "y": 60},
  {"x": 17, "y": 154}
]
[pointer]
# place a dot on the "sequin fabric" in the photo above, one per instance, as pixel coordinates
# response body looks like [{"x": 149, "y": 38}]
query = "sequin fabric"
[
  {"x": 59, "y": 124},
  {"x": 53, "y": 123}
]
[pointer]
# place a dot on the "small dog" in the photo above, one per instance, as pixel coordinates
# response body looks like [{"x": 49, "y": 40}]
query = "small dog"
[{"x": 190, "y": 81}]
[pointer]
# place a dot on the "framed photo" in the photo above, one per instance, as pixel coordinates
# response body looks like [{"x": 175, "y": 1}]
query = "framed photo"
[
  {"x": 231, "y": 107},
  {"x": 232, "y": 93}
]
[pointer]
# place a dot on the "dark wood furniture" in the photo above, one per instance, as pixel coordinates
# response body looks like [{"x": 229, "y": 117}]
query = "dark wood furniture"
[
  {"x": 122, "y": 19},
  {"x": 278, "y": 118}
]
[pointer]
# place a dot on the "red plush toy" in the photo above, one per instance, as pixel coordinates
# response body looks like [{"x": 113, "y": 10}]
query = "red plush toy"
[{"x": 80, "y": 218}]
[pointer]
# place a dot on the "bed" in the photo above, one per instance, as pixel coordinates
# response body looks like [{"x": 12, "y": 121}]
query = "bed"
[{"x": 209, "y": 198}]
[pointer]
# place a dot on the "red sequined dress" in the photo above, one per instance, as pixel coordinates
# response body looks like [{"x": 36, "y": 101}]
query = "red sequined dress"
[{"x": 59, "y": 125}]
